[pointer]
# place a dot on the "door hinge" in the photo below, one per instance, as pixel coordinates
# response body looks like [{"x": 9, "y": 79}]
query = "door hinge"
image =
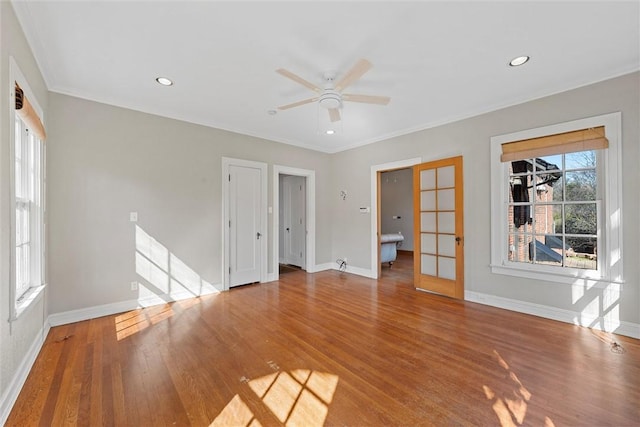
[
  {"x": 229, "y": 177},
  {"x": 229, "y": 223},
  {"x": 229, "y": 270}
]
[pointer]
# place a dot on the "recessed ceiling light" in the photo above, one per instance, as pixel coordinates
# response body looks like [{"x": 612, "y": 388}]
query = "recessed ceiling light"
[
  {"x": 272, "y": 112},
  {"x": 330, "y": 132},
  {"x": 164, "y": 81},
  {"x": 518, "y": 61}
]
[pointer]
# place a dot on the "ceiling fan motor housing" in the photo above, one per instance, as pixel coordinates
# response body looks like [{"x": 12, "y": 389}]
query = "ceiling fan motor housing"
[{"x": 330, "y": 99}]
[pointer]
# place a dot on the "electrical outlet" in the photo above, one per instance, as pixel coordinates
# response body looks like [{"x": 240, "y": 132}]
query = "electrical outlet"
[
  {"x": 133, "y": 216},
  {"x": 134, "y": 286}
]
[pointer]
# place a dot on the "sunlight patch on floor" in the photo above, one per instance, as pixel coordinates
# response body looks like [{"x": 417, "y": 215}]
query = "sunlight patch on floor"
[
  {"x": 132, "y": 322},
  {"x": 297, "y": 398},
  {"x": 510, "y": 404}
]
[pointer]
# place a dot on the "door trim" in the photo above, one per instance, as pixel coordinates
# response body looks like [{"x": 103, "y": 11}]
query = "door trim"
[
  {"x": 310, "y": 206},
  {"x": 226, "y": 162},
  {"x": 375, "y": 208}
]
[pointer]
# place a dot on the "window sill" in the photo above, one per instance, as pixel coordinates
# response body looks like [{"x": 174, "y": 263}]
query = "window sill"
[
  {"x": 30, "y": 299},
  {"x": 590, "y": 281}
]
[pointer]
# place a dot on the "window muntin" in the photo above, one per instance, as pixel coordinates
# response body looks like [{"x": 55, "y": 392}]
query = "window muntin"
[{"x": 553, "y": 212}]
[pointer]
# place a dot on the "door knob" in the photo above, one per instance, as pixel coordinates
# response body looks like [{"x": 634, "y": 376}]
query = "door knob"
[
  {"x": 258, "y": 235},
  {"x": 287, "y": 228},
  {"x": 458, "y": 239}
]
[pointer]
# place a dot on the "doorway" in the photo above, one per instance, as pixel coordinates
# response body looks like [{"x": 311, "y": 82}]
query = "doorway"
[
  {"x": 396, "y": 223},
  {"x": 293, "y": 221},
  {"x": 304, "y": 238},
  {"x": 376, "y": 226}
]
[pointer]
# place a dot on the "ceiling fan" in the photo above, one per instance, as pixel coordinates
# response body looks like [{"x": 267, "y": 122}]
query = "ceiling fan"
[{"x": 331, "y": 96}]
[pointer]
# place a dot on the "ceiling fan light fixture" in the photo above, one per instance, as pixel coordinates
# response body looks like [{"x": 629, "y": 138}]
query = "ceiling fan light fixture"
[
  {"x": 520, "y": 60},
  {"x": 330, "y": 100},
  {"x": 164, "y": 81}
]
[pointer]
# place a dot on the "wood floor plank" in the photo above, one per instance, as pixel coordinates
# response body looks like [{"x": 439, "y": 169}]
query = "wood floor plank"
[{"x": 335, "y": 349}]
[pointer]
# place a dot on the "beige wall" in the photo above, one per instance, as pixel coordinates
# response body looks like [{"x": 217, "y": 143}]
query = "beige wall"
[
  {"x": 471, "y": 139},
  {"x": 16, "y": 337},
  {"x": 105, "y": 162}
]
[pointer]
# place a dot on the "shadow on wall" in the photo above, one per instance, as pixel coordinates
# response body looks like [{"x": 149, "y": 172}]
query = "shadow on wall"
[
  {"x": 166, "y": 277},
  {"x": 598, "y": 306}
]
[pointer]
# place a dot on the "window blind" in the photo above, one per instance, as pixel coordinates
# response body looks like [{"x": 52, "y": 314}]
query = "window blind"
[
  {"x": 560, "y": 143},
  {"x": 28, "y": 114}
]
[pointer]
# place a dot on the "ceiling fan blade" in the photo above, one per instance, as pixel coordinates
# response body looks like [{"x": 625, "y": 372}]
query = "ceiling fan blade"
[
  {"x": 297, "y": 104},
  {"x": 368, "y": 99},
  {"x": 298, "y": 79},
  {"x": 361, "y": 67},
  {"x": 334, "y": 115}
]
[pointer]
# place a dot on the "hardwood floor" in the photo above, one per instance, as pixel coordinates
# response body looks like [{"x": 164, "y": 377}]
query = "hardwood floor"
[{"x": 330, "y": 348}]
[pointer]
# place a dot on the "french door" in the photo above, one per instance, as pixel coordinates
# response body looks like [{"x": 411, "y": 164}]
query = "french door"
[{"x": 438, "y": 227}]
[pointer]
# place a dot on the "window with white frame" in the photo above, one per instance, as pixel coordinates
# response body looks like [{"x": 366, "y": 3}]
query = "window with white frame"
[
  {"x": 28, "y": 213},
  {"x": 27, "y": 199},
  {"x": 556, "y": 201}
]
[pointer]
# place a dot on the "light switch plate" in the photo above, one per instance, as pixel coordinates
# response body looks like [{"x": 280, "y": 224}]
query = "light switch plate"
[{"x": 133, "y": 216}]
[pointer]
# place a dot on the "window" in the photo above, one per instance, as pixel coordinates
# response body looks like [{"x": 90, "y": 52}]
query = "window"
[
  {"x": 556, "y": 202},
  {"x": 27, "y": 197},
  {"x": 28, "y": 213}
]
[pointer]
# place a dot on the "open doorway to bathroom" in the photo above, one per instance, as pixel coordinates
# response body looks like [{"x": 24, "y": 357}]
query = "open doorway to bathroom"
[{"x": 396, "y": 223}]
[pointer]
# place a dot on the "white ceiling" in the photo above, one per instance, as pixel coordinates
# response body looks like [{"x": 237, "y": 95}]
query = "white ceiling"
[{"x": 438, "y": 61}]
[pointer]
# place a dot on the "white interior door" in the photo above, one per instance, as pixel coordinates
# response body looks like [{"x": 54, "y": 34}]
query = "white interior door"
[
  {"x": 245, "y": 184},
  {"x": 294, "y": 220}
]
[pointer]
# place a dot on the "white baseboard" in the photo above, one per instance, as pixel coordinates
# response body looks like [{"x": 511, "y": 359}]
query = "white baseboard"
[
  {"x": 333, "y": 266},
  {"x": 322, "y": 267},
  {"x": 119, "y": 307},
  {"x": 310, "y": 269},
  {"x": 576, "y": 318},
  {"x": 79, "y": 315},
  {"x": 17, "y": 382},
  {"x": 270, "y": 277},
  {"x": 357, "y": 271}
]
